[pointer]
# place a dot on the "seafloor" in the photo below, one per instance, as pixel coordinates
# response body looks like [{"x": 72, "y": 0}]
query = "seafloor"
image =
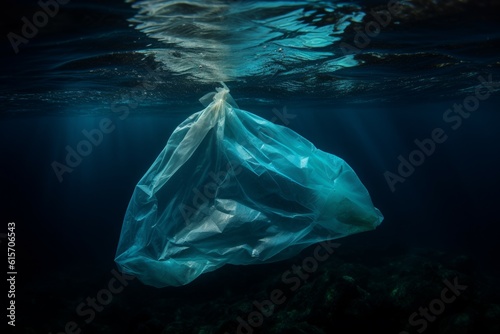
[{"x": 351, "y": 290}]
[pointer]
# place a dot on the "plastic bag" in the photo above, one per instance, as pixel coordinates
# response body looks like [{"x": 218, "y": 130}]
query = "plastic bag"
[{"x": 232, "y": 187}]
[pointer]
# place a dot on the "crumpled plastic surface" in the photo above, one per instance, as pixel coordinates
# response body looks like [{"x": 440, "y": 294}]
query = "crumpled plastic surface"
[{"x": 233, "y": 188}]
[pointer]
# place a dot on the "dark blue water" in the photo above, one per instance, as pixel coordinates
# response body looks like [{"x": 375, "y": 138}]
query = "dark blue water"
[{"x": 135, "y": 71}]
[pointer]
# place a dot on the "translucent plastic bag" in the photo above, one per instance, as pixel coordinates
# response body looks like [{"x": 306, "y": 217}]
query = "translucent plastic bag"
[{"x": 232, "y": 187}]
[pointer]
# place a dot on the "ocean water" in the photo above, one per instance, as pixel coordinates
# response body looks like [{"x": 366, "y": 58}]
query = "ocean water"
[{"x": 406, "y": 92}]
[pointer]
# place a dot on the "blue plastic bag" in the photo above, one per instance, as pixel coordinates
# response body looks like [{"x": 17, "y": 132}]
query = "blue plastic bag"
[{"x": 232, "y": 187}]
